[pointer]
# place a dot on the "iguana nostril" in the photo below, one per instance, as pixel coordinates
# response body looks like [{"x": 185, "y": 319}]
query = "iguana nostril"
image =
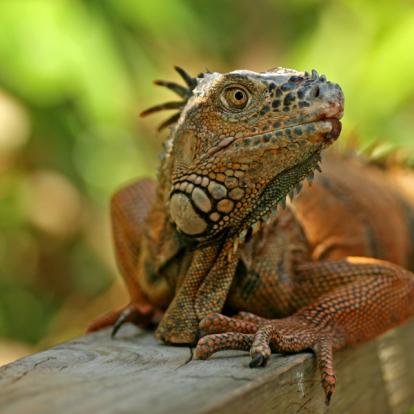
[{"x": 315, "y": 92}]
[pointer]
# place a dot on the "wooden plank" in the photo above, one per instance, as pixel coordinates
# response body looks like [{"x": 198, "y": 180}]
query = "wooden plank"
[{"x": 135, "y": 374}]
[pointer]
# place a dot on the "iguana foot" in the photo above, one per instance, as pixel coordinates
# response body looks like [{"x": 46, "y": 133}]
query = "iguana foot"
[
  {"x": 138, "y": 313},
  {"x": 261, "y": 336}
]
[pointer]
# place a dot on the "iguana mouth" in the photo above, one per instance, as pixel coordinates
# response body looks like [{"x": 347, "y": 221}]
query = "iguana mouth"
[
  {"x": 336, "y": 129},
  {"x": 332, "y": 125},
  {"x": 333, "y": 128}
]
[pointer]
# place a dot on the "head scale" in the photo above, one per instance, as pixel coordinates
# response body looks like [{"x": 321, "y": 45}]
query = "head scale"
[{"x": 242, "y": 142}]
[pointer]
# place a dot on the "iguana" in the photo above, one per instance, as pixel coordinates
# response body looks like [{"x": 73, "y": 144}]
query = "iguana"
[{"x": 212, "y": 248}]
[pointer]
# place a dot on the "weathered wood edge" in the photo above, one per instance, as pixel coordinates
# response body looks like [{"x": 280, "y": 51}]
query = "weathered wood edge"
[
  {"x": 376, "y": 377},
  {"x": 135, "y": 374}
]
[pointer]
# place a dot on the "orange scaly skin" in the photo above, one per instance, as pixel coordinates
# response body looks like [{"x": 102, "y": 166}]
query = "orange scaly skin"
[{"x": 210, "y": 249}]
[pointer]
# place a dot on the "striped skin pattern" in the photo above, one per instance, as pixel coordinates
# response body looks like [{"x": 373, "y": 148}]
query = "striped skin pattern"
[{"x": 216, "y": 254}]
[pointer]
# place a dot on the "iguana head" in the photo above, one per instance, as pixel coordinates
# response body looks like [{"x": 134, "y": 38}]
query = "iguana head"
[{"x": 242, "y": 142}]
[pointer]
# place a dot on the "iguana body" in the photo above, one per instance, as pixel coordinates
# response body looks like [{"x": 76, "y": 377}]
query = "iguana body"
[{"x": 211, "y": 238}]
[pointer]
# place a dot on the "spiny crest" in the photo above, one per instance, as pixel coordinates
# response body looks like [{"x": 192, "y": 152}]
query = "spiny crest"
[
  {"x": 246, "y": 234},
  {"x": 184, "y": 92}
]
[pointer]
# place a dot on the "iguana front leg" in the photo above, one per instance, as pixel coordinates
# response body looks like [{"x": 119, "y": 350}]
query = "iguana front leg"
[
  {"x": 368, "y": 297},
  {"x": 203, "y": 290}
]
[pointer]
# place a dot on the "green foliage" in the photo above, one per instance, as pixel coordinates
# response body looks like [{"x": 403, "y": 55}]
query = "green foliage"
[{"x": 75, "y": 74}]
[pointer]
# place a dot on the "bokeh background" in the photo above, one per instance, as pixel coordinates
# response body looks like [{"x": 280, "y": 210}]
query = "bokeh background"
[{"x": 74, "y": 76}]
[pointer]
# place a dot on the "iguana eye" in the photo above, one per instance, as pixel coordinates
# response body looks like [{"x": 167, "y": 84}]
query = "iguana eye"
[{"x": 235, "y": 97}]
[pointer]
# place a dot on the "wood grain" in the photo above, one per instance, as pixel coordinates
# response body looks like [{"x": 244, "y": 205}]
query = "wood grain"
[{"x": 135, "y": 374}]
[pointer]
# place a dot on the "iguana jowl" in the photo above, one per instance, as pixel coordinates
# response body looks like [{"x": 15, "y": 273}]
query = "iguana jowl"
[{"x": 210, "y": 248}]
